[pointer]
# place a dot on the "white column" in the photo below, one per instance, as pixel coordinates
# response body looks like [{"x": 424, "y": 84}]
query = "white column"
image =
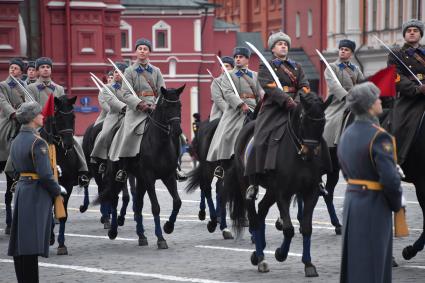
[
  {"x": 197, "y": 34},
  {"x": 194, "y": 105}
]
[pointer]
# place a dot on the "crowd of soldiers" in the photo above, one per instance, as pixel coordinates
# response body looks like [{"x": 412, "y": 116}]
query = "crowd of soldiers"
[{"x": 235, "y": 94}]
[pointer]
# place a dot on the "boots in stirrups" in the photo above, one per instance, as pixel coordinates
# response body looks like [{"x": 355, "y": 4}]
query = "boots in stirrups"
[
  {"x": 252, "y": 191},
  {"x": 121, "y": 175},
  {"x": 219, "y": 172},
  {"x": 83, "y": 178}
]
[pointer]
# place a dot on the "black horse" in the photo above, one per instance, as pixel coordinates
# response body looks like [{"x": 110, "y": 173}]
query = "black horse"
[
  {"x": 158, "y": 160},
  {"x": 298, "y": 170},
  {"x": 202, "y": 177},
  {"x": 60, "y": 132}
]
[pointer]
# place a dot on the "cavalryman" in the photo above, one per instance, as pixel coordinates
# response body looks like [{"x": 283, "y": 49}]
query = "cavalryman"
[
  {"x": 410, "y": 104},
  {"x": 115, "y": 109},
  {"x": 35, "y": 191},
  {"x": 367, "y": 155},
  {"x": 219, "y": 103},
  {"x": 271, "y": 120},
  {"x": 40, "y": 90},
  {"x": 31, "y": 73},
  {"x": 238, "y": 104},
  {"x": 146, "y": 80},
  {"x": 11, "y": 97},
  {"x": 348, "y": 75}
]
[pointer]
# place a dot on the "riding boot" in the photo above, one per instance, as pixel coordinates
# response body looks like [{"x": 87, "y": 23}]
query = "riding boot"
[
  {"x": 83, "y": 178},
  {"x": 180, "y": 175},
  {"x": 252, "y": 191},
  {"x": 121, "y": 175},
  {"x": 322, "y": 191},
  {"x": 219, "y": 170}
]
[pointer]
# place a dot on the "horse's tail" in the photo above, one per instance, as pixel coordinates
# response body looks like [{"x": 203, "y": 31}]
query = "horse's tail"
[{"x": 194, "y": 179}]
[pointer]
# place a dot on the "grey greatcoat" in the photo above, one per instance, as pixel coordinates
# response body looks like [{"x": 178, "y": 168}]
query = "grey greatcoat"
[
  {"x": 217, "y": 97},
  {"x": 104, "y": 108},
  {"x": 11, "y": 97},
  {"x": 112, "y": 120},
  {"x": 126, "y": 142},
  {"x": 224, "y": 139},
  {"x": 32, "y": 211},
  {"x": 348, "y": 75}
]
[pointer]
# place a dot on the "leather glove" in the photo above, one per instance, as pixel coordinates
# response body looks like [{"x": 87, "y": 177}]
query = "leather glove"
[
  {"x": 421, "y": 89},
  {"x": 244, "y": 108},
  {"x": 290, "y": 103},
  {"x": 152, "y": 107},
  {"x": 143, "y": 106}
]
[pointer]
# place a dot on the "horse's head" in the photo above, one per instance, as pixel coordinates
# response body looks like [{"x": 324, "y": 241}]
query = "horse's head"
[
  {"x": 169, "y": 109},
  {"x": 65, "y": 120},
  {"x": 312, "y": 124}
]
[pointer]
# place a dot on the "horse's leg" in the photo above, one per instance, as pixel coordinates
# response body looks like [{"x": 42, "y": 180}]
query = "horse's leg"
[
  {"x": 52, "y": 232},
  {"x": 62, "y": 249},
  {"x": 162, "y": 243},
  {"x": 331, "y": 182},
  {"x": 171, "y": 185},
  {"x": 123, "y": 210},
  {"x": 138, "y": 196},
  {"x": 212, "y": 224},
  {"x": 86, "y": 200},
  {"x": 8, "y": 196},
  {"x": 310, "y": 201},
  {"x": 201, "y": 213},
  {"x": 410, "y": 251},
  {"x": 221, "y": 207},
  {"x": 113, "y": 230},
  {"x": 281, "y": 253}
]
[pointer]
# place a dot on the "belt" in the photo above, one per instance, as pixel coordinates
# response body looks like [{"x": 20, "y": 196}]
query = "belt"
[
  {"x": 145, "y": 93},
  {"x": 33, "y": 176},
  {"x": 366, "y": 184},
  {"x": 247, "y": 95},
  {"x": 421, "y": 77},
  {"x": 289, "y": 89}
]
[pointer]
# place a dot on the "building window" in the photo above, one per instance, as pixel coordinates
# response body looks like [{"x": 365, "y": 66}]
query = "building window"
[
  {"x": 400, "y": 12},
  {"x": 257, "y": 6},
  {"x": 126, "y": 36},
  {"x": 310, "y": 23},
  {"x": 342, "y": 17},
  {"x": 297, "y": 25},
  {"x": 374, "y": 16},
  {"x": 161, "y": 35},
  {"x": 415, "y": 11},
  {"x": 197, "y": 36},
  {"x": 387, "y": 14}
]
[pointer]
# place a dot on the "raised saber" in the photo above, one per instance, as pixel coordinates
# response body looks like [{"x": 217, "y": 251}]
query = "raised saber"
[
  {"x": 100, "y": 84},
  {"x": 123, "y": 78},
  {"x": 398, "y": 59},
  {"x": 329, "y": 68},
  {"x": 214, "y": 81},
  {"x": 23, "y": 89}
]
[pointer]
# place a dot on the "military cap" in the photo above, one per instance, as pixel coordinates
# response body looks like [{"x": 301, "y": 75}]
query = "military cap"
[
  {"x": 143, "y": 41},
  {"x": 31, "y": 64},
  {"x": 278, "y": 36},
  {"x": 17, "y": 61},
  {"x": 347, "y": 43},
  {"x": 111, "y": 73},
  {"x": 229, "y": 60},
  {"x": 27, "y": 112},
  {"x": 43, "y": 61},
  {"x": 362, "y": 96},
  {"x": 240, "y": 50},
  {"x": 413, "y": 23},
  {"x": 122, "y": 66}
]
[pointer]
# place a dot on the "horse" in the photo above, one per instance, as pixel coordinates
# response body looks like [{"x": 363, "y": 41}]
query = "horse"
[
  {"x": 89, "y": 139},
  {"x": 303, "y": 154},
  {"x": 202, "y": 177},
  {"x": 60, "y": 132},
  {"x": 158, "y": 160}
]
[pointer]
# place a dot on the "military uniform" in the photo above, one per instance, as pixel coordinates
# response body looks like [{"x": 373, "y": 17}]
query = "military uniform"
[
  {"x": 30, "y": 81},
  {"x": 410, "y": 104},
  {"x": 104, "y": 108},
  {"x": 217, "y": 97},
  {"x": 146, "y": 82},
  {"x": 112, "y": 120},
  {"x": 249, "y": 90}
]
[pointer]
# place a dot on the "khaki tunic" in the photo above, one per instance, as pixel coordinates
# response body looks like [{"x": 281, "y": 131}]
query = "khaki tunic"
[
  {"x": 217, "y": 97},
  {"x": 104, "y": 106},
  {"x": 223, "y": 142},
  {"x": 11, "y": 97},
  {"x": 40, "y": 92},
  {"x": 126, "y": 142}
]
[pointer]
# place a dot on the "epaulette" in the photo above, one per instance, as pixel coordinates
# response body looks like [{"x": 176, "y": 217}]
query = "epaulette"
[
  {"x": 379, "y": 128},
  {"x": 293, "y": 63}
]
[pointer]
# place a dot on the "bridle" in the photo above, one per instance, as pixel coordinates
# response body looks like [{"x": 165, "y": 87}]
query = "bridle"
[
  {"x": 58, "y": 134},
  {"x": 165, "y": 127}
]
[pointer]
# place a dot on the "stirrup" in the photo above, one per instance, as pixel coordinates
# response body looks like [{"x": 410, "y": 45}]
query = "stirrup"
[
  {"x": 121, "y": 176},
  {"x": 219, "y": 172},
  {"x": 102, "y": 168},
  {"x": 251, "y": 192}
]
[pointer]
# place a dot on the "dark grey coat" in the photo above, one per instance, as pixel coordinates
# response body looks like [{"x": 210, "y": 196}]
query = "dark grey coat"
[{"x": 32, "y": 212}]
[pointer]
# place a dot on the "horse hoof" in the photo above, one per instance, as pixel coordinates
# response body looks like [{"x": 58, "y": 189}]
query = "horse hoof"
[
  {"x": 263, "y": 267},
  {"x": 254, "y": 258},
  {"x": 279, "y": 255},
  {"x": 112, "y": 234},
  {"x": 227, "y": 235},
  {"x": 121, "y": 220},
  {"x": 83, "y": 208},
  {"x": 278, "y": 225},
  {"x": 338, "y": 230},
  {"x": 310, "y": 270},
  {"x": 107, "y": 224},
  {"x": 168, "y": 227},
  {"x": 409, "y": 252},
  {"x": 7, "y": 230},
  {"x": 162, "y": 244},
  {"x": 211, "y": 226},
  {"x": 201, "y": 215},
  {"x": 102, "y": 219},
  {"x": 62, "y": 250},
  {"x": 143, "y": 241}
]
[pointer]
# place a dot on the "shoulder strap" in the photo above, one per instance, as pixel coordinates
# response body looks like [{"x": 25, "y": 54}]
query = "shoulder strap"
[
  {"x": 251, "y": 85},
  {"x": 350, "y": 73},
  {"x": 419, "y": 58},
  {"x": 149, "y": 80},
  {"x": 291, "y": 75}
]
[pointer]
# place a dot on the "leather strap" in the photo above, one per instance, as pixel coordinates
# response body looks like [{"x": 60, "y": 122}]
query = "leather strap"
[
  {"x": 33, "y": 176},
  {"x": 291, "y": 75},
  {"x": 149, "y": 80},
  {"x": 254, "y": 91},
  {"x": 366, "y": 184}
]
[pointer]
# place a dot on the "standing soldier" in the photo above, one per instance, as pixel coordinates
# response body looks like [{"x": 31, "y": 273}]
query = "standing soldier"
[
  {"x": 115, "y": 111},
  {"x": 217, "y": 97},
  {"x": 410, "y": 104},
  {"x": 367, "y": 155},
  {"x": 31, "y": 73},
  {"x": 35, "y": 191},
  {"x": 348, "y": 75},
  {"x": 273, "y": 115},
  {"x": 40, "y": 90},
  {"x": 238, "y": 104},
  {"x": 11, "y": 97},
  {"x": 146, "y": 80}
]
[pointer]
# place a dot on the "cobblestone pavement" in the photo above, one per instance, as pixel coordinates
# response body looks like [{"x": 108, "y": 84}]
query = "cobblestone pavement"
[{"x": 194, "y": 254}]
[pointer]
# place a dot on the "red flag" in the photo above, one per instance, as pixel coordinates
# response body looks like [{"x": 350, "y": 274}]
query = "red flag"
[
  {"x": 385, "y": 81},
  {"x": 49, "y": 108}
]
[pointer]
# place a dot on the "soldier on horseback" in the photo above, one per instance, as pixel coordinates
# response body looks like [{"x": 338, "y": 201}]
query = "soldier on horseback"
[
  {"x": 217, "y": 97},
  {"x": 40, "y": 91},
  {"x": 11, "y": 97},
  {"x": 31, "y": 73}
]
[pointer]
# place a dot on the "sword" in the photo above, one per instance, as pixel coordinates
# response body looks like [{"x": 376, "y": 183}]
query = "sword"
[
  {"x": 94, "y": 78},
  {"x": 329, "y": 68},
  {"x": 219, "y": 85},
  {"x": 398, "y": 59},
  {"x": 123, "y": 78},
  {"x": 27, "y": 94}
]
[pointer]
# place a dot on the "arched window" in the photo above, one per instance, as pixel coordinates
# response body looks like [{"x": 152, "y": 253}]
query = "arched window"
[
  {"x": 161, "y": 36},
  {"x": 126, "y": 36}
]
